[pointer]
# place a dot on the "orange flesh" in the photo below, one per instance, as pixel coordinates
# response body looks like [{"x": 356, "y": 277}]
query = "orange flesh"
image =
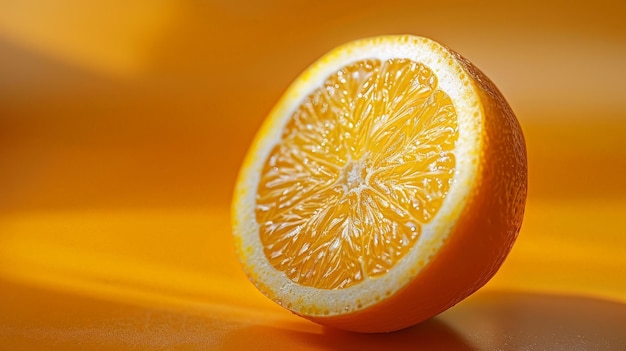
[{"x": 363, "y": 163}]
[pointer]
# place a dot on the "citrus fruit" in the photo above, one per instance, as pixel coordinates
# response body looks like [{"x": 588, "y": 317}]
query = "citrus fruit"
[{"x": 386, "y": 185}]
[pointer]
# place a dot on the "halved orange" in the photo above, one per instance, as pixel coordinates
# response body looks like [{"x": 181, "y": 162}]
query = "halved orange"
[{"x": 386, "y": 185}]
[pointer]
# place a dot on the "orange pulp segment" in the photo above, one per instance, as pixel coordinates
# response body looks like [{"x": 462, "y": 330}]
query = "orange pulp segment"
[{"x": 363, "y": 163}]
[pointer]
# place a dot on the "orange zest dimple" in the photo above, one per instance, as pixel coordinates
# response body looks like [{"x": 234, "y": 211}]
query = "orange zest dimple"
[{"x": 386, "y": 185}]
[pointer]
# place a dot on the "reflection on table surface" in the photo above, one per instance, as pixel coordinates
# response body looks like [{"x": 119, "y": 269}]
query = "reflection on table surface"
[{"x": 35, "y": 318}]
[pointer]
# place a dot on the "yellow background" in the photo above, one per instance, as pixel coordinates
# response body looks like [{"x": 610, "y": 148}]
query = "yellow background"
[{"x": 123, "y": 123}]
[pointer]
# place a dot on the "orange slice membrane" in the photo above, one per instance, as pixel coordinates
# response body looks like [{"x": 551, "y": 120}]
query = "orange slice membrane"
[{"x": 363, "y": 163}]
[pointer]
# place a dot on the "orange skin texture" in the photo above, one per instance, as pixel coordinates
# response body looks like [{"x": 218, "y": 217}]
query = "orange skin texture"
[{"x": 482, "y": 237}]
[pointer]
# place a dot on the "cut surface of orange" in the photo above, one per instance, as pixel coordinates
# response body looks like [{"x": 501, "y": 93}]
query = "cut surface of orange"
[{"x": 386, "y": 185}]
